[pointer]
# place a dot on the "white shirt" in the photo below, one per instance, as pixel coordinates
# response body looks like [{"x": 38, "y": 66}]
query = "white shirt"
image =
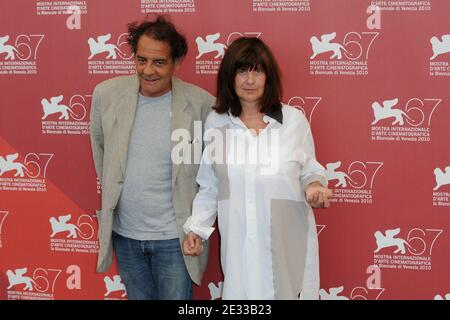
[{"x": 243, "y": 193}]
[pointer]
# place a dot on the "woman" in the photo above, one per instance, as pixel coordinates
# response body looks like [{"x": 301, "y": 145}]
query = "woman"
[{"x": 260, "y": 176}]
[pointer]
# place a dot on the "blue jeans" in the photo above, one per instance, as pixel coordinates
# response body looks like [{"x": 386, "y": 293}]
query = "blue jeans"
[{"x": 152, "y": 269}]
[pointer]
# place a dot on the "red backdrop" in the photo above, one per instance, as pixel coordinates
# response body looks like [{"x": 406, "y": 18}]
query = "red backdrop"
[{"x": 377, "y": 97}]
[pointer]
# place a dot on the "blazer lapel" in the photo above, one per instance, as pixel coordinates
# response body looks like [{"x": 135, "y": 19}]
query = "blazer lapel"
[
  {"x": 126, "y": 109},
  {"x": 181, "y": 117}
]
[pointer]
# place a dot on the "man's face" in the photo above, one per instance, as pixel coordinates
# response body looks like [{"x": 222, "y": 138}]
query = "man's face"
[{"x": 154, "y": 66}]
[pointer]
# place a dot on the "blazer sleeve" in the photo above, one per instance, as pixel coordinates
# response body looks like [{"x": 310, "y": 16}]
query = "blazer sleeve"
[
  {"x": 207, "y": 108},
  {"x": 204, "y": 206},
  {"x": 96, "y": 133}
]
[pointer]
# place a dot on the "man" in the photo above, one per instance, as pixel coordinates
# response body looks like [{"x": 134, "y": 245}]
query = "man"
[{"x": 146, "y": 197}]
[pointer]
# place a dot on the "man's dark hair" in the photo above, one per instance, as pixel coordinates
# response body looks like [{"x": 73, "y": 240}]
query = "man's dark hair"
[
  {"x": 248, "y": 54},
  {"x": 160, "y": 29}
]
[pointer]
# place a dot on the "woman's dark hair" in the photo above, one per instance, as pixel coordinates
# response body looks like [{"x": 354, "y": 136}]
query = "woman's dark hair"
[
  {"x": 160, "y": 29},
  {"x": 248, "y": 54}
]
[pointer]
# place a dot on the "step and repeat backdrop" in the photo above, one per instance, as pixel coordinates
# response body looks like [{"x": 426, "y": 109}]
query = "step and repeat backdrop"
[{"x": 373, "y": 82}]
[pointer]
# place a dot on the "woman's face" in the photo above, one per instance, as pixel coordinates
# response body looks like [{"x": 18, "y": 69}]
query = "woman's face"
[{"x": 249, "y": 85}]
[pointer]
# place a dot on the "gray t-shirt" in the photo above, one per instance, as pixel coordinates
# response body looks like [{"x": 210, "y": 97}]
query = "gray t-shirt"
[{"x": 145, "y": 210}]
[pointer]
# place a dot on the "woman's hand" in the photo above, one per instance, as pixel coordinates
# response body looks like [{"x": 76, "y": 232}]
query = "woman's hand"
[
  {"x": 317, "y": 195},
  {"x": 192, "y": 245}
]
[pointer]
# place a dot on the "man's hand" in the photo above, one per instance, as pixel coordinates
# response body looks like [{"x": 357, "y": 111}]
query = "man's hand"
[
  {"x": 192, "y": 245},
  {"x": 317, "y": 195}
]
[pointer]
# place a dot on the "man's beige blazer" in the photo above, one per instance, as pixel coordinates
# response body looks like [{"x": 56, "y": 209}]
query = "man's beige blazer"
[{"x": 112, "y": 114}]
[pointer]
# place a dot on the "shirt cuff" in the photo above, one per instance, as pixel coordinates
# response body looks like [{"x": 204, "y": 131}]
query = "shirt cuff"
[
  {"x": 192, "y": 226},
  {"x": 315, "y": 178}
]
